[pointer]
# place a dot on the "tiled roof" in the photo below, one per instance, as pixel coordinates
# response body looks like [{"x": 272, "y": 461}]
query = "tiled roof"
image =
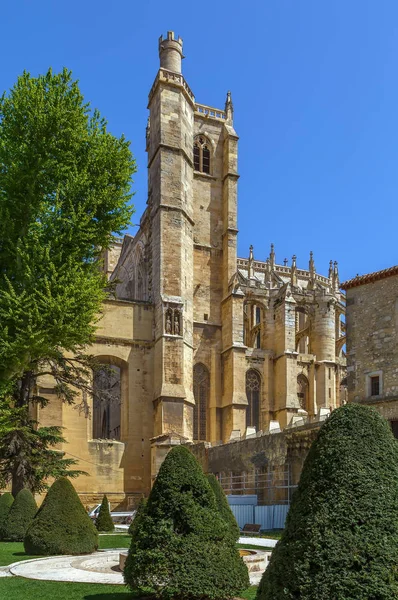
[{"x": 369, "y": 278}]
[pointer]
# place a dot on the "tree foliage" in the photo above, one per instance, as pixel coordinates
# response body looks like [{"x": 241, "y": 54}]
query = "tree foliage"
[
  {"x": 182, "y": 547},
  {"x": 138, "y": 515},
  {"x": 223, "y": 506},
  {"x": 104, "y": 522},
  {"x": 21, "y": 515},
  {"x": 6, "y": 501},
  {"x": 64, "y": 191},
  {"x": 61, "y": 525},
  {"x": 341, "y": 535},
  {"x": 27, "y": 452}
]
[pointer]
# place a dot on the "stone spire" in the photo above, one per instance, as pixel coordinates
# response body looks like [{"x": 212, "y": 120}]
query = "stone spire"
[
  {"x": 250, "y": 264},
  {"x": 229, "y": 108},
  {"x": 311, "y": 266},
  {"x": 336, "y": 281},
  {"x": 330, "y": 275},
  {"x": 267, "y": 278},
  {"x": 293, "y": 272},
  {"x": 272, "y": 257}
]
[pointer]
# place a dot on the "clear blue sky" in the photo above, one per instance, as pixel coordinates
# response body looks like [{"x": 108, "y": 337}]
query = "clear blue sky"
[{"x": 315, "y": 90}]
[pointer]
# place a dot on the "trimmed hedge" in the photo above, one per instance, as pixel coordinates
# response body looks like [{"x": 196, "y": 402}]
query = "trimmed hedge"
[
  {"x": 138, "y": 515},
  {"x": 21, "y": 514},
  {"x": 341, "y": 535},
  {"x": 6, "y": 501},
  {"x": 181, "y": 547},
  {"x": 61, "y": 525},
  {"x": 223, "y": 506},
  {"x": 104, "y": 522}
]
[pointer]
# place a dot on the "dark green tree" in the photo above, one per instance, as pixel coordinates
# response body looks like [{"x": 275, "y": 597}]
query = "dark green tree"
[
  {"x": 6, "y": 501},
  {"x": 27, "y": 452},
  {"x": 182, "y": 547},
  {"x": 64, "y": 192},
  {"x": 223, "y": 506},
  {"x": 21, "y": 515},
  {"x": 138, "y": 515},
  {"x": 61, "y": 525},
  {"x": 104, "y": 522},
  {"x": 341, "y": 535}
]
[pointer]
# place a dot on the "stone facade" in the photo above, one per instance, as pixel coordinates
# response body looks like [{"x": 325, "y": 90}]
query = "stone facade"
[
  {"x": 372, "y": 351},
  {"x": 210, "y": 347}
]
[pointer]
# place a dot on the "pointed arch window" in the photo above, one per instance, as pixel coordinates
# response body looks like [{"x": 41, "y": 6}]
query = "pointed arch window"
[
  {"x": 201, "y": 387},
  {"x": 253, "y": 389},
  {"x": 302, "y": 391},
  {"x": 201, "y": 155}
]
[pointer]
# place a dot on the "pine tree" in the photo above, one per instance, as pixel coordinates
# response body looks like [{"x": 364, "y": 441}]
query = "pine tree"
[
  {"x": 104, "y": 522},
  {"x": 6, "y": 501},
  {"x": 341, "y": 535},
  {"x": 223, "y": 506},
  {"x": 61, "y": 525},
  {"x": 28, "y": 451},
  {"x": 21, "y": 515},
  {"x": 182, "y": 547}
]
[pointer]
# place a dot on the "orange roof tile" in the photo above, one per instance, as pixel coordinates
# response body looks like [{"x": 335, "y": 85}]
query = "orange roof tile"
[{"x": 369, "y": 278}]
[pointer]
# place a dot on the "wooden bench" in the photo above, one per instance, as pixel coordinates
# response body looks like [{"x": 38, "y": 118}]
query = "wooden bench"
[{"x": 251, "y": 529}]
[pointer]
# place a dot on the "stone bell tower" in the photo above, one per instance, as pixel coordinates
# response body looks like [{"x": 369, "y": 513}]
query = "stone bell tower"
[{"x": 170, "y": 178}]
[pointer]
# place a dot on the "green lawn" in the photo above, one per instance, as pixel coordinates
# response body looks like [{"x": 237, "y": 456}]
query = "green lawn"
[{"x": 273, "y": 534}]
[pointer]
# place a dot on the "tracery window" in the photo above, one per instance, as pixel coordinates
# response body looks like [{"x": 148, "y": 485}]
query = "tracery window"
[
  {"x": 201, "y": 387},
  {"x": 302, "y": 391},
  {"x": 201, "y": 155},
  {"x": 253, "y": 389},
  {"x": 107, "y": 403}
]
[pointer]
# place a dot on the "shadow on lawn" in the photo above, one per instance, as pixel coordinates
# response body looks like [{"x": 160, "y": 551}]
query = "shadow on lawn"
[{"x": 122, "y": 596}]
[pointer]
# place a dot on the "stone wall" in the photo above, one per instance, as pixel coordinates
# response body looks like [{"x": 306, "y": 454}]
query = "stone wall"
[{"x": 372, "y": 324}]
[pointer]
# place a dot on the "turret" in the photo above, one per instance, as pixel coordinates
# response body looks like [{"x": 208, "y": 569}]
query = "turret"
[{"x": 170, "y": 52}]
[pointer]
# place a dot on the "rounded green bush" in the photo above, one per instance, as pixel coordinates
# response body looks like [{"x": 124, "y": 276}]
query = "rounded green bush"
[
  {"x": 341, "y": 535},
  {"x": 104, "y": 522},
  {"x": 21, "y": 514},
  {"x": 61, "y": 525},
  {"x": 181, "y": 547},
  {"x": 223, "y": 506},
  {"x": 6, "y": 501}
]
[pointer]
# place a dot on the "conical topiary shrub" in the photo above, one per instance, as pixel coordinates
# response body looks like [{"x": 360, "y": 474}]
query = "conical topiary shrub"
[
  {"x": 341, "y": 535},
  {"x": 6, "y": 501},
  {"x": 104, "y": 522},
  {"x": 61, "y": 525},
  {"x": 181, "y": 547},
  {"x": 223, "y": 506},
  {"x": 21, "y": 514},
  {"x": 138, "y": 515}
]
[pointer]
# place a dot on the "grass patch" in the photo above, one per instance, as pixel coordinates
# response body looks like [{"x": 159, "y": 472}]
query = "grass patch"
[
  {"x": 17, "y": 588},
  {"x": 273, "y": 534},
  {"x": 121, "y": 540},
  {"x": 250, "y": 593},
  {"x": 11, "y": 552},
  {"x": 252, "y": 547}
]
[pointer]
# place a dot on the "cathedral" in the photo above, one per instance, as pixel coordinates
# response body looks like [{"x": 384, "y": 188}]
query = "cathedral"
[{"x": 201, "y": 345}]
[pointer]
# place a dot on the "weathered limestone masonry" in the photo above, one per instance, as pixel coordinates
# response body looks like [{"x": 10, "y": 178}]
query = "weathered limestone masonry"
[
  {"x": 372, "y": 350},
  {"x": 203, "y": 346}
]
